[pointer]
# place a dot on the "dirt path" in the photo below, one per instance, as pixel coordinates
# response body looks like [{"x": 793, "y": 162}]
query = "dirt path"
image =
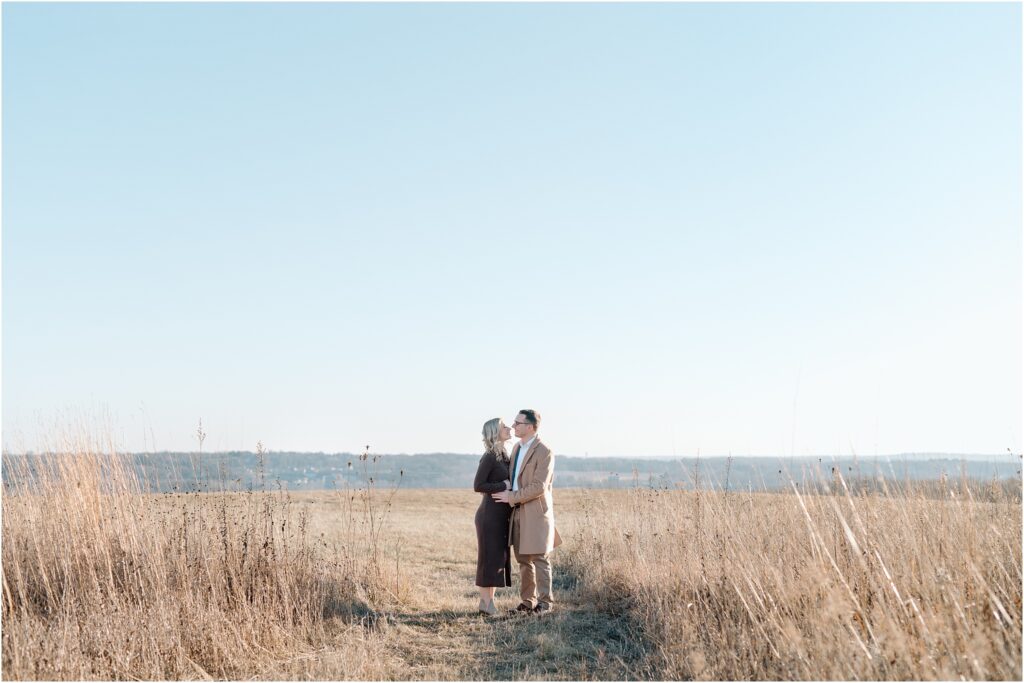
[
  {"x": 443, "y": 637},
  {"x": 434, "y": 631},
  {"x": 575, "y": 642}
]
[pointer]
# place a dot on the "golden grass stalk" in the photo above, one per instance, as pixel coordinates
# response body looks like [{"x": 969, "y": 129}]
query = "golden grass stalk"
[
  {"x": 103, "y": 580},
  {"x": 819, "y": 583}
]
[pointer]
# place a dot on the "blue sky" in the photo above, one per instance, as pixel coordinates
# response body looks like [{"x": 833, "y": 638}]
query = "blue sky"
[{"x": 757, "y": 229}]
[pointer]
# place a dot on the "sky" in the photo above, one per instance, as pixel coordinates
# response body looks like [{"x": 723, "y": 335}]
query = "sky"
[{"x": 671, "y": 229}]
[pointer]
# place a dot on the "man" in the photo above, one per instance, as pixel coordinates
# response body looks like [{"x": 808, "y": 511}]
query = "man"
[{"x": 532, "y": 530}]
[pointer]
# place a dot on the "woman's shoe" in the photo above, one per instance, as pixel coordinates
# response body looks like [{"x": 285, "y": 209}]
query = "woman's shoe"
[
  {"x": 489, "y": 608},
  {"x": 482, "y": 607}
]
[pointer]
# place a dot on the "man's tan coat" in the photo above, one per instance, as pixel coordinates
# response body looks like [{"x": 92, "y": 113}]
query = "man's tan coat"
[{"x": 537, "y": 533}]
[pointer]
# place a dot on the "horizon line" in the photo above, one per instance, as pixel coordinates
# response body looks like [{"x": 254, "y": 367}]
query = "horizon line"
[{"x": 946, "y": 454}]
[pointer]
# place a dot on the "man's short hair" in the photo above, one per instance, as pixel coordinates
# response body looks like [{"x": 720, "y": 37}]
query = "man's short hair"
[{"x": 532, "y": 416}]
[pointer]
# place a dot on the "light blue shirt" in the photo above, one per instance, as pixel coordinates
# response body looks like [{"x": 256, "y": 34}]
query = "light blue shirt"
[{"x": 523, "y": 450}]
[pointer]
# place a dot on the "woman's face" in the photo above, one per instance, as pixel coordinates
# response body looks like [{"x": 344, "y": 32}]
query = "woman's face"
[{"x": 504, "y": 433}]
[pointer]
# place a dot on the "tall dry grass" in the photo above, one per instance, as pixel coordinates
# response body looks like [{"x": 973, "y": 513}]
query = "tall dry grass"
[
  {"x": 820, "y": 583},
  {"x": 102, "y": 580}
]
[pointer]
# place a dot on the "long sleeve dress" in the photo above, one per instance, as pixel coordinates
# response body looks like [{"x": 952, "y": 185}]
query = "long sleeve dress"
[{"x": 493, "y": 559}]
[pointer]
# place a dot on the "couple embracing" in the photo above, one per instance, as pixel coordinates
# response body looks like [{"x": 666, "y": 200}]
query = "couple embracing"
[{"x": 516, "y": 511}]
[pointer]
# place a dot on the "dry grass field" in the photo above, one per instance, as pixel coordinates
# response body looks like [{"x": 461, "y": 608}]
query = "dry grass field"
[{"x": 103, "y": 582}]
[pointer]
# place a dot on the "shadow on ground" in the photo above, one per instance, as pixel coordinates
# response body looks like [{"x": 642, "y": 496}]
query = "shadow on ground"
[{"x": 574, "y": 642}]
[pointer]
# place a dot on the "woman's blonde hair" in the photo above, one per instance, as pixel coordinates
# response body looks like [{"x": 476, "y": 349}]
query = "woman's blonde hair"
[{"x": 492, "y": 439}]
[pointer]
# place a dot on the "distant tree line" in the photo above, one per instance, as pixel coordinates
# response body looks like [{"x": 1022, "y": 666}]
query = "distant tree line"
[{"x": 242, "y": 470}]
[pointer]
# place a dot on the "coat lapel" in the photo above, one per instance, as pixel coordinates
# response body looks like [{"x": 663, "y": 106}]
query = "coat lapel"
[{"x": 529, "y": 454}]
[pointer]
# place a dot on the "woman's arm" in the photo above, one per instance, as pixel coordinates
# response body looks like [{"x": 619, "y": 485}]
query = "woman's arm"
[{"x": 480, "y": 483}]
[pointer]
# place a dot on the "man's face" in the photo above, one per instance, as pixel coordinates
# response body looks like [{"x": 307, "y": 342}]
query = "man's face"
[{"x": 522, "y": 428}]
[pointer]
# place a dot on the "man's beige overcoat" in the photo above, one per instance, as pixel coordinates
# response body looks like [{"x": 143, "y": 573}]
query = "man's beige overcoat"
[{"x": 537, "y": 533}]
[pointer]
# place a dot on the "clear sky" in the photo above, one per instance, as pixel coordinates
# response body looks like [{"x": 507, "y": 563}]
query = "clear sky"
[{"x": 756, "y": 229}]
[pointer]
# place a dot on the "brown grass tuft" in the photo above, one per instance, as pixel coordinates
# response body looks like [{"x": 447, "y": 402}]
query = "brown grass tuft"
[
  {"x": 101, "y": 580},
  {"x": 816, "y": 584}
]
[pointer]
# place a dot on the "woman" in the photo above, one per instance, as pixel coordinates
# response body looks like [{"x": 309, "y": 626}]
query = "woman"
[{"x": 493, "y": 561}]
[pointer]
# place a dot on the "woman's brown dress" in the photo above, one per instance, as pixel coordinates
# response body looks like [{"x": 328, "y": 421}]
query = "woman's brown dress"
[{"x": 493, "y": 560}]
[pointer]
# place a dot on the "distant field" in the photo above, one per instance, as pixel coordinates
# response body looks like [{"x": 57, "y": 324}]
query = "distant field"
[{"x": 651, "y": 584}]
